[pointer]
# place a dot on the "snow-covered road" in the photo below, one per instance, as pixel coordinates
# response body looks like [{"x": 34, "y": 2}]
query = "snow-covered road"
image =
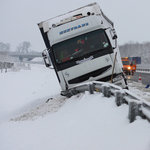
[{"x": 30, "y": 120}]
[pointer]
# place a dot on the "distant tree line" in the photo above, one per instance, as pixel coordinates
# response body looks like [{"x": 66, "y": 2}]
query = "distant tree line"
[
  {"x": 132, "y": 49},
  {"x": 23, "y": 47},
  {"x": 4, "y": 50},
  {"x": 5, "y": 47}
]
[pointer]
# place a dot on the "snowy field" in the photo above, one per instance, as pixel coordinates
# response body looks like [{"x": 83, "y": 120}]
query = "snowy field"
[{"x": 33, "y": 116}]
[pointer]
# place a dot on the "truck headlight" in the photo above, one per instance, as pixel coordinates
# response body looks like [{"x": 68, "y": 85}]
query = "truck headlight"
[{"x": 129, "y": 68}]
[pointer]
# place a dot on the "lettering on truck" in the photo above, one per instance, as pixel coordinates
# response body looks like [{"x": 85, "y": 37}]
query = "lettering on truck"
[{"x": 73, "y": 28}]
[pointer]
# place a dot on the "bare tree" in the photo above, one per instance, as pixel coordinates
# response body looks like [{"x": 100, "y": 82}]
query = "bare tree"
[
  {"x": 4, "y": 47},
  {"x": 4, "y": 51},
  {"x": 24, "y": 47}
]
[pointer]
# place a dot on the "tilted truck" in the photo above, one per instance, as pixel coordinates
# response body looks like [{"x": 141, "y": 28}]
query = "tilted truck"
[{"x": 81, "y": 45}]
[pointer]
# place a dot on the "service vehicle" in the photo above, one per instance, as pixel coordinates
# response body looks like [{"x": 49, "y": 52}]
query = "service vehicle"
[
  {"x": 81, "y": 45},
  {"x": 128, "y": 67}
]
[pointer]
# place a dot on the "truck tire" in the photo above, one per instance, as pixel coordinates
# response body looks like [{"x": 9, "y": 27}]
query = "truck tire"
[{"x": 129, "y": 72}]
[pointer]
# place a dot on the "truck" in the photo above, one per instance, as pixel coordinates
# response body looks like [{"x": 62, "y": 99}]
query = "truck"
[
  {"x": 81, "y": 45},
  {"x": 129, "y": 67}
]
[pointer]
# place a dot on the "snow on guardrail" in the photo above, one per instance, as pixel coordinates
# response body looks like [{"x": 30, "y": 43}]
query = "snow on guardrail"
[
  {"x": 143, "y": 67},
  {"x": 137, "y": 105}
]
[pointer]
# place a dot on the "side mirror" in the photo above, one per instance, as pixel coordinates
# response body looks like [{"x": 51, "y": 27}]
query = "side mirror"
[
  {"x": 46, "y": 58},
  {"x": 113, "y": 34},
  {"x": 114, "y": 37}
]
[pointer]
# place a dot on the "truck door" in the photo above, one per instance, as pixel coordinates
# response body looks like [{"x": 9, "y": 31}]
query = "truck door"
[{"x": 133, "y": 66}]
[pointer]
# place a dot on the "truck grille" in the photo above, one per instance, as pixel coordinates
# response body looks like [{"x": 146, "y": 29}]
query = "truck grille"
[{"x": 88, "y": 75}]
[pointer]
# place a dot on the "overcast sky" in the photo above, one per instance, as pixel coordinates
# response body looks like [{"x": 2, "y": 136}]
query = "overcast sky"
[{"x": 19, "y": 18}]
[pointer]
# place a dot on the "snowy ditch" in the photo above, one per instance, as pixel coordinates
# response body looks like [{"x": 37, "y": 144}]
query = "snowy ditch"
[
  {"x": 34, "y": 116},
  {"x": 49, "y": 106},
  {"x": 53, "y": 104}
]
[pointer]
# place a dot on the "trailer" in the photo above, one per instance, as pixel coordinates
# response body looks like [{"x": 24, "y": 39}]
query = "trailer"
[{"x": 81, "y": 45}]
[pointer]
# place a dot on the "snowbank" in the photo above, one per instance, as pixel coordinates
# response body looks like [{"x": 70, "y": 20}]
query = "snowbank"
[{"x": 34, "y": 117}]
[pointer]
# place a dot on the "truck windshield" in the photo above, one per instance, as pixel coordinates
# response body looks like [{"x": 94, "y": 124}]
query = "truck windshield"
[
  {"x": 80, "y": 45},
  {"x": 125, "y": 62}
]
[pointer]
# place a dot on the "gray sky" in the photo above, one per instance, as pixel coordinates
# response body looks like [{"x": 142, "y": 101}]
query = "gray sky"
[{"x": 19, "y": 18}]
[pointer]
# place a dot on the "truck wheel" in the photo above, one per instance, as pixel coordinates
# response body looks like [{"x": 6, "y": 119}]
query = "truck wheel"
[
  {"x": 127, "y": 88},
  {"x": 129, "y": 72}
]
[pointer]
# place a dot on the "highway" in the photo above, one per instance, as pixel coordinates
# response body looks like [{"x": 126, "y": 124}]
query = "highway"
[{"x": 145, "y": 77}]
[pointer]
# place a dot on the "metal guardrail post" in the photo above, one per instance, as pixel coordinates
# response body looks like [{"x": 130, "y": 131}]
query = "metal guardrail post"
[
  {"x": 106, "y": 91},
  {"x": 137, "y": 106},
  {"x": 91, "y": 88},
  {"x": 134, "y": 110},
  {"x": 119, "y": 98}
]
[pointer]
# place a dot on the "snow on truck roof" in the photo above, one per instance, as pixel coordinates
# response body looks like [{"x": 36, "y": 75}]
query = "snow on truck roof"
[{"x": 90, "y": 9}]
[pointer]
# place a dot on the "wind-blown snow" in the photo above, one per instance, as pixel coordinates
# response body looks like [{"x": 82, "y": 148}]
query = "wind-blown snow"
[{"x": 33, "y": 116}]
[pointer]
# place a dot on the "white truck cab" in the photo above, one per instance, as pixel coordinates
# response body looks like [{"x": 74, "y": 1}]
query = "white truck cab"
[{"x": 81, "y": 46}]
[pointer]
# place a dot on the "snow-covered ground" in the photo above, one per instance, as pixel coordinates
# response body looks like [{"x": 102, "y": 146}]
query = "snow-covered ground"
[
  {"x": 139, "y": 89},
  {"x": 33, "y": 116}
]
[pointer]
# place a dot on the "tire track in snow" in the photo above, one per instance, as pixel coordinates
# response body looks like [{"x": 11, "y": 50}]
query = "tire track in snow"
[{"x": 50, "y": 106}]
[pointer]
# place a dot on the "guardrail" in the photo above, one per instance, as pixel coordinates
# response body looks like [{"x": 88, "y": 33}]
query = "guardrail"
[
  {"x": 137, "y": 105},
  {"x": 143, "y": 68},
  {"x": 147, "y": 70}
]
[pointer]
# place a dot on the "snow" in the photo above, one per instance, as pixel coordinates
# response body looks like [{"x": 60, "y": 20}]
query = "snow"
[
  {"x": 33, "y": 116},
  {"x": 37, "y": 59},
  {"x": 139, "y": 89}
]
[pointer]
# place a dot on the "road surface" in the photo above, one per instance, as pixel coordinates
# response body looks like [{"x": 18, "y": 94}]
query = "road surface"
[{"x": 145, "y": 77}]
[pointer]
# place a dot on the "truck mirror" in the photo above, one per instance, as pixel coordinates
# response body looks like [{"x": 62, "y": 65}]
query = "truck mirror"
[
  {"x": 114, "y": 37},
  {"x": 46, "y": 58},
  {"x": 113, "y": 34}
]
